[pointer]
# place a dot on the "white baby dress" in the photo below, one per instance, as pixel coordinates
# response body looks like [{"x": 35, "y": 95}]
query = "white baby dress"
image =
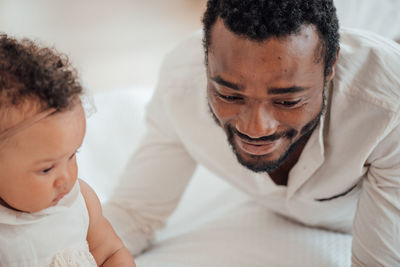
[{"x": 53, "y": 237}]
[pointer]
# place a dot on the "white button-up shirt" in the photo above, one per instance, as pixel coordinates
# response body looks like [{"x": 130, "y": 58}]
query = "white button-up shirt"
[{"x": 346, "y": 179}]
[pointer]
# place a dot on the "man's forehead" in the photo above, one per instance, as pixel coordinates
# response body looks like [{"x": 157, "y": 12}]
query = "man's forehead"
[{"x": 304, "y": 41}]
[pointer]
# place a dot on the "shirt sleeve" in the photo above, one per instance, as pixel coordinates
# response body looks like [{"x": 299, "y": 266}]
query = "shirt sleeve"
[
  {"x": 376, "y": 228},
  {"x": 155, "y": 177}
]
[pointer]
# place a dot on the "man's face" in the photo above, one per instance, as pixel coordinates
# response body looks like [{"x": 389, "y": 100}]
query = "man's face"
[{"x": 267, "y": 96}]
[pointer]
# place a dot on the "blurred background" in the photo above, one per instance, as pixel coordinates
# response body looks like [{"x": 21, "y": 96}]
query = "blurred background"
[
  {"x": 121, "y": 43},
  {"x": 113, "y": 44}
]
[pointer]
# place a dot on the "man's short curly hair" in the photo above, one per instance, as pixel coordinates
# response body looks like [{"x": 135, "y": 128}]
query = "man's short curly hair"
[
  {"x": 30, "y": 72},
  {"x": 259, "y": 20}
]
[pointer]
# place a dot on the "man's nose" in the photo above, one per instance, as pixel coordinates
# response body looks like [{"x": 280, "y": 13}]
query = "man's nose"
[{"x": 257, "y": 120}]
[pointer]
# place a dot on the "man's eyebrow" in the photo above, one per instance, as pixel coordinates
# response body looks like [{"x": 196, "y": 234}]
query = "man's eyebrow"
[
  {"x": 222, "y": 82},
  {"x": 287, "y": 90}
]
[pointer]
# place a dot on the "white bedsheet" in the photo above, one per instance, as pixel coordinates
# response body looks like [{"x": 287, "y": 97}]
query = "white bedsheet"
[{"x": 215, "y": 224}]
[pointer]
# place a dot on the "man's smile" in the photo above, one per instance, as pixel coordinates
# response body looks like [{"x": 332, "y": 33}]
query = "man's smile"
[{"x": 257, "y": 148}]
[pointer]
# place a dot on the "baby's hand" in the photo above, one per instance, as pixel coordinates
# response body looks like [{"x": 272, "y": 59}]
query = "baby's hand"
[{"x": 104, "y": 244}]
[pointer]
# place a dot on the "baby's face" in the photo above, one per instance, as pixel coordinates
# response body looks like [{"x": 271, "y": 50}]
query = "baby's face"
[{"x": 38, "y": 164}]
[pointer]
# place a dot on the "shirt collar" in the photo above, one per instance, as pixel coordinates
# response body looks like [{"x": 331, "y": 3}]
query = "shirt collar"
[{"x": 313, "y": 154}]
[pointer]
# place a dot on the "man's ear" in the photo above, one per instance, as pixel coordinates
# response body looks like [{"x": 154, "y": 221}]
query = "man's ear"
[{"x": 332, "y": 71}]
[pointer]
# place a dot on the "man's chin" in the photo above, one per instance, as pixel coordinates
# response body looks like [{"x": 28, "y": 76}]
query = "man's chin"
[{"x": 258, "y": 163}]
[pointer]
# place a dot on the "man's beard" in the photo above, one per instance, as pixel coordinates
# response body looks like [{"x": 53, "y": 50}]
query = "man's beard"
[{"x": 259, "y": 163}]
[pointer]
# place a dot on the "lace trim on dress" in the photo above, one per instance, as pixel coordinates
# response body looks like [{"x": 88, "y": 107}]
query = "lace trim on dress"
[{"x": 73, "y": 257}]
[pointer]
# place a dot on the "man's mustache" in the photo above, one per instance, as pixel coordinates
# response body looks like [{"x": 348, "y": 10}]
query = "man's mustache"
[{"x": 270, "y": 138}]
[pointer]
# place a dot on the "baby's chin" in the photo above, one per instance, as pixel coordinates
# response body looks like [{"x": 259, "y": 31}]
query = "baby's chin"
[
  {"x": 58, "y": 198},
  {"x": 18, "y": 207},
  {"x": 38, "y": 208}
]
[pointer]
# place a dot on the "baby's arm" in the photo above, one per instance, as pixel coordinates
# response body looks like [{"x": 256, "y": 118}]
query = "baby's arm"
[{"x": 104, "y": 244}]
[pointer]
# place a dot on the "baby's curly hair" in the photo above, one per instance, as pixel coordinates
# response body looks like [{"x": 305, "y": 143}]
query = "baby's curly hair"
[
  {"x": 259, "y": 20},
  {"x": 31, "y": 72}
]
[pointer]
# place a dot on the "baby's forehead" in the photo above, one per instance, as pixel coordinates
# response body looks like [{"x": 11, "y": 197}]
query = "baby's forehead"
[
  {"x": 46, "y": 132},
  {"x": 11, "y": 115}
]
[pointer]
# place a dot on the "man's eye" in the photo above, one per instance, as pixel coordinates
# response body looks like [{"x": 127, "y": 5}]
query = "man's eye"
[
  {"x": 288, "y": 103},
  {"x": 229, "y": 97}
]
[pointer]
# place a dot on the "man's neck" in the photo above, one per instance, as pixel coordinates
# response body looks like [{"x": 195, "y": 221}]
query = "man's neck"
[{"x": 281, "y": 175}]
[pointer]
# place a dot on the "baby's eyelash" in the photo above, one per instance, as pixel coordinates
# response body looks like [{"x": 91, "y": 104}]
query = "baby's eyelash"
[
  {"x": 73, "y": 155},
  {"x": 47, "y": 170}
]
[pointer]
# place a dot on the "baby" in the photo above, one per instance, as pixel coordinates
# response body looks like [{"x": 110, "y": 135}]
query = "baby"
[{"x": 48, "y": 217}]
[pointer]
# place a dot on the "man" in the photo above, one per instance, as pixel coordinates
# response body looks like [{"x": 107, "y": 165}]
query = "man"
[{"x": 307, "y": 127}]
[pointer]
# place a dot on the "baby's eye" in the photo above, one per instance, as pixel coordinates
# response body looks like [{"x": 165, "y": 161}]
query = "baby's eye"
[
  {"x": 47, "y": 170},
  {"x": 73, "y": 155}
]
